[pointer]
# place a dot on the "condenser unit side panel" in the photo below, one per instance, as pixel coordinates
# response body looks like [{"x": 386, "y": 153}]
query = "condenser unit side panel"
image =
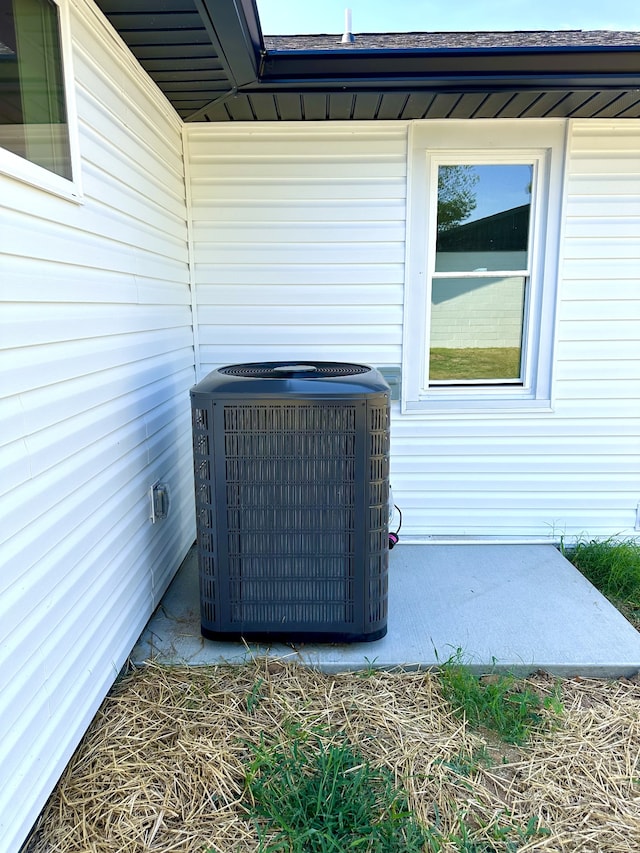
[
  {"x": 377, "y": 522},
  {"x": 206, "y": 511}
]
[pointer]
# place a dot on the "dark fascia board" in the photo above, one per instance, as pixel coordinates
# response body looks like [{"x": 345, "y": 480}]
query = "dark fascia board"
[
  {"x": 234, "y": 29},
  {"x": 467, "y": 69}
]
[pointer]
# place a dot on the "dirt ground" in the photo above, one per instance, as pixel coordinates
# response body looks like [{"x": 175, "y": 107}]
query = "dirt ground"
[{"x": 162, "y": 767}]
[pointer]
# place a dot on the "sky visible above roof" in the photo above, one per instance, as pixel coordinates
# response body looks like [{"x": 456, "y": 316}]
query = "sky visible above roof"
[{"x": 283, "y": 17}]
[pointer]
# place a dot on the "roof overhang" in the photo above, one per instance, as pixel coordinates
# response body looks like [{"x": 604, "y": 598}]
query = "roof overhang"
[{"x": 213, "y": 63}]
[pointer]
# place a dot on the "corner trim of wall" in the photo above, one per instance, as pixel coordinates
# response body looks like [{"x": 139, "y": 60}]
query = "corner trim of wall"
[{"x": 195, "y": 322}]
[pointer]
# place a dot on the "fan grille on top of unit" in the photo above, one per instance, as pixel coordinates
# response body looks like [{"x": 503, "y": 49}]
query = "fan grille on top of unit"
[{"x": 283, "y": 369}]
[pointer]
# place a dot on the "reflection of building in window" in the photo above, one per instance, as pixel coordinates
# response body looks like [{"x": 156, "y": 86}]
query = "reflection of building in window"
[
  {"x": 481, "y": 312},
  {"x": 506, "y": 231},
  {"x": 33, "y": 115}
]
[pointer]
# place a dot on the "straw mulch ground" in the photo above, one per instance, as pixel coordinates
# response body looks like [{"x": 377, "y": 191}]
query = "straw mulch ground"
[{"x": 162, "y": 766}]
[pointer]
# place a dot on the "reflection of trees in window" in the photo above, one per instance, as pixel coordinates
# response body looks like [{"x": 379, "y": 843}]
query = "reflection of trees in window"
[{"x": 456, "y": 195}]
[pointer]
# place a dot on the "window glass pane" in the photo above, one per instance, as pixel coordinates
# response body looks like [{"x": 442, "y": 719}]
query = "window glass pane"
[
  {"x": 33, "y": 116},
  {"x": 483, "y": 217},
  {"x": 476, "y": 328}
]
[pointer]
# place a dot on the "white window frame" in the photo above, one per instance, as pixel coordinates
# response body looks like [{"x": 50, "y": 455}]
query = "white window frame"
[
  {"x": 24, "y": 170},
  {"x": 431, "y": 144}
]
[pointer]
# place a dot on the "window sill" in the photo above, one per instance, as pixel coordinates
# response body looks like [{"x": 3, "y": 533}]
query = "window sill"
[
  {"x": 36, "y": 176},
  {"x": 475, "y": 406}
]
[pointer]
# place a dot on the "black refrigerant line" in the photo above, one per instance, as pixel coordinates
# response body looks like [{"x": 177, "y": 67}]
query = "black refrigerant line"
[{"x": 394, "y": 538}]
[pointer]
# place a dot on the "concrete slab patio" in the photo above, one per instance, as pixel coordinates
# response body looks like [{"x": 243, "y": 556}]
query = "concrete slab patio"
[{"x": 510, "y": 607}]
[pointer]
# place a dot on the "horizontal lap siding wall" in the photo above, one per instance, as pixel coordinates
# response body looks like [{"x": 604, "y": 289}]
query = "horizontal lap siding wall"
[
  {"x": 298, "y": 241},
  {"x": 299, "y": 248},
  {"x": 576, "y": 470},
  {"x": 597, "y": 386},
  {"x": 97, "y": 360}
]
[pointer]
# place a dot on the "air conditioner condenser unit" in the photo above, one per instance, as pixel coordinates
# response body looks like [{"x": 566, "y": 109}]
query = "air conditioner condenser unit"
[{"x": 292, "y": 501}]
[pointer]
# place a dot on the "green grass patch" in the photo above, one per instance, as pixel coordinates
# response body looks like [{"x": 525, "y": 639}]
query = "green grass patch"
[
  {"x": 613, "y": 567},
  {"x": 474, "y": 363},
  {"x": 310, "y": 791},
  {"x": 254, "y": 696},
  {"x": 500, "y": 703}
]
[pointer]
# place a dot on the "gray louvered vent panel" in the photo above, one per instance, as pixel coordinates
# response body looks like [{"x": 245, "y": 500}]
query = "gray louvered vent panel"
[{"x": 290, "y": 472}]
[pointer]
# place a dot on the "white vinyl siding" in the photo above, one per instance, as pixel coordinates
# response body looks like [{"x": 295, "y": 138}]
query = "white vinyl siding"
[
  {"x": 299, "y": 248},
  {"x": 598, "y": 365},
  {"x": 576, "y": 469},
  {"x": 96, "y": 359},
  {"x": 298, "y": 241}
]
